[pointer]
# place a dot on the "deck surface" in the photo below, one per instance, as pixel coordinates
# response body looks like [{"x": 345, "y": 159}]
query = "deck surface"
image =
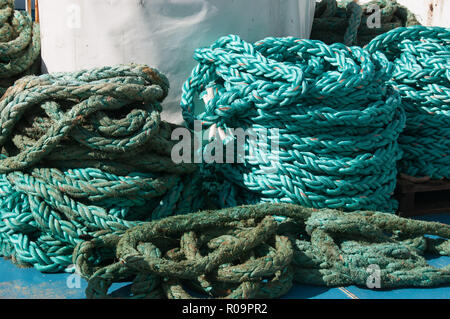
[{"x": 28, "y": 283}]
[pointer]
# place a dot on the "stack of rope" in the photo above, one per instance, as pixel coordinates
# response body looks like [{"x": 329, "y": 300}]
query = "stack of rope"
[
  {"x": 84, "y": 154},
  {"x": 338, "y": 122},
  {"x": 349, "y": 23},
  {"x": 422, "y": 76},
  {"x": 19, "y": 45},
  {"x": 258, "y": 251}
]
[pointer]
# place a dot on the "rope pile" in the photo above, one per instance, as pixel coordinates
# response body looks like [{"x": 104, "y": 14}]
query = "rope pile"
[
  {"x": 19, "y": 45},
  {"x": 422, "y": 76},
  {"x": 347, "y": 22},
  {"x": 338, "y": 121},
  {"x": 258, "y": 251},
  {"x": 84, "y": 154}
]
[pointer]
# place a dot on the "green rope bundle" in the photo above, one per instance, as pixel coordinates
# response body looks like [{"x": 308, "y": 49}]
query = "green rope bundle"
[
  {"x": 346, "y": 21},
  {"x": 84, "y": 154},
  {"x": 258, "y": 251},
  {"x": 19, "y": 45},
  {"x": 338, "y": 121},
  {"x": 422, "y": 76}
]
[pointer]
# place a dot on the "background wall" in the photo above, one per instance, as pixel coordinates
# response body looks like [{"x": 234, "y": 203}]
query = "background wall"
[
  {"x": 81, "y": 34},
  {"x": 430, "y": 12}
]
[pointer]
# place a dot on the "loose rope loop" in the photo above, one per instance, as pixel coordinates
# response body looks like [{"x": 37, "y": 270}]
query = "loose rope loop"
[
  {"x": 337, "y": 120},
  {"x": 258, "y": 251}
]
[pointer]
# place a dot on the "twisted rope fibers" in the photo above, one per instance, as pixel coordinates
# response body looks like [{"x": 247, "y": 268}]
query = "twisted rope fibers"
[
  {"x": 422, "y": 77},
  {"x": 338, "y": 121},
  {"x": 19, "y": 45},
  {"x": 258, "y": 251},
  {"x": 85, "y": 154},
  {"x": 347, "y": 22}
]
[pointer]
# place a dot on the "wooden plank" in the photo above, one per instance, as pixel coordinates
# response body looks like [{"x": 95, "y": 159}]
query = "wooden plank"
[
  {"x": 29, "y": 7},
  {"x": 422, "y": 196},
  {"x": 36, "y": 10},
  {"x": 409, "y": 186}
]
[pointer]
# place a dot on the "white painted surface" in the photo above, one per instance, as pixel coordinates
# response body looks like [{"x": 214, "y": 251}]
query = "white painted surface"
[
  {"x": 430, "y": 12},
  {"x": 78, "y": 34}
]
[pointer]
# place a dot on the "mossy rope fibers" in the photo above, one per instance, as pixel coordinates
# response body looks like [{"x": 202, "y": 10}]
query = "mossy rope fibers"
[
  {"x": 347, "y": 22},
  {"x": 20, "y": 45},
  {"x": 84, "y": 154},
  {"x": 258, "y": 251}
]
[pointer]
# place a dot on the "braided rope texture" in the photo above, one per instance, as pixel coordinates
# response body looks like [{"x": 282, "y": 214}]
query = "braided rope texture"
[
  {"x": 337, "y": 118},
  {"x": 258, "y": 251},
  {"x": 422, "y": 77},
  {"x": 347, "y": 22},
  {"x": 84, "y": 154},
  {"x": 20, "y": 45}
]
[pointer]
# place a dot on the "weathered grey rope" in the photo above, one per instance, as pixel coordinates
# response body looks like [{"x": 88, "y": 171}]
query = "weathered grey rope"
[{"x": 258, "y": 251}]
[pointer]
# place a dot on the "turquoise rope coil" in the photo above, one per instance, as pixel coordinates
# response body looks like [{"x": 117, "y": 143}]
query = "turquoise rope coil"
[
  {"x": 338, "y": 121},
  {"x": 421, "y": 56},
  {"x": 83, "y": 155}
]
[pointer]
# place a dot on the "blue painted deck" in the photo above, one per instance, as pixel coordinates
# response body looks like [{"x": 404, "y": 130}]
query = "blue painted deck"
[{"x": 28, "y": 283}]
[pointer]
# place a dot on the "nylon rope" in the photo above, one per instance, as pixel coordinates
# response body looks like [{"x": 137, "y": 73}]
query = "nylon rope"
[
  {"x": 421, "y": 56},
  {"x": 338, "y": 120},
  {"x": 87, "y": 178},
  {"x": 20, "y": 45},
  {"x": 259, "y": 251},
  {"x": 84, "y": 154}
]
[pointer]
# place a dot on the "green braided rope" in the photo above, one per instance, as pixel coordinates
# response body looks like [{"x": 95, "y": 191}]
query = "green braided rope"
[
  {"x": 422, "y": 62},
  {"x": 346, "y": 21},
  {"x": 19, "y": 45},
  {"x": 246, "y": 252},
  {"x": 338, "y": 121},
  {"x": 84, "y": 154}
]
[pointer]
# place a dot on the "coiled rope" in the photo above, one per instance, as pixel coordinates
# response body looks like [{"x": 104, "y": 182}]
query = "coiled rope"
[
  {"x": 353, "y": 24},
  {"x": 19, "y": 45},
  {"x": 258, "y": 251},
  {"x": 84, "y": 154},
  {"x": 338, "y": 121},
  {"x": 422, "y": 76}
]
